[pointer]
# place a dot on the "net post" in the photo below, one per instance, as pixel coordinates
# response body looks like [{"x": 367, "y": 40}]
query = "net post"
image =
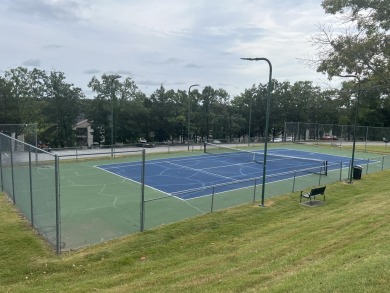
[{"x": 326, "y": 168}]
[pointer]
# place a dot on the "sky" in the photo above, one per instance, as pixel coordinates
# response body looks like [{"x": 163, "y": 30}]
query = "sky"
[{"x": 174, "y": 43}]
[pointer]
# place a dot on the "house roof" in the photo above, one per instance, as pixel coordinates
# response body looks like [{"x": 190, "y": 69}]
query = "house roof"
[{"x": 83, "y": 124}]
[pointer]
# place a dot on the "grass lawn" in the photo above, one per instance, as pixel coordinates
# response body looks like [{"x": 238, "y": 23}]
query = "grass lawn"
[{"x": 341, "y": 246}]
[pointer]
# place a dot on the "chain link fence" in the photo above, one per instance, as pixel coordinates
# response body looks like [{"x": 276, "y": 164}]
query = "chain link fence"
[
  {"x": 73, "y": 199},
  {"x": 27, "y": 133},
  {"x": 68, "y": 198},
  {"x": 29, "y": 176},
  {"x": 298, "y": 131}
]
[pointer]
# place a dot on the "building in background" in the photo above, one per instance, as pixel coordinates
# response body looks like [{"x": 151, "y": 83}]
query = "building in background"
[{"x": 84, "y": 133}]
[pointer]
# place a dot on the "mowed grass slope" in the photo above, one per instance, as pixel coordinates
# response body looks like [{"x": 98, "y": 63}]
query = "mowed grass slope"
[{"x": 342, "y": 246}]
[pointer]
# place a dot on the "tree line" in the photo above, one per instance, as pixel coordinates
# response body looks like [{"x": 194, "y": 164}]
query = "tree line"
[
  {"x": 34, "y": 96},
  {"x": 360, "y": 54}
]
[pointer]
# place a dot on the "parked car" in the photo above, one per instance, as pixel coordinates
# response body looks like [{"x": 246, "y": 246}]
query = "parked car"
[
  {"x": 143, "y": 143},
  {"x": 329, "y": 137},
  {"x": 44, "y": 146}
]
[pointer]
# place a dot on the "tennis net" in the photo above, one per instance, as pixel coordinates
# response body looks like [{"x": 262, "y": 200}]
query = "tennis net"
[
  {"x": 282, "y": 162},
  {"x": 232, "y": 153}
]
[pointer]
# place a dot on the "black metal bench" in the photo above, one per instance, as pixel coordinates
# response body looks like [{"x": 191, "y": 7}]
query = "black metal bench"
[{"x": 313, "y": 193}]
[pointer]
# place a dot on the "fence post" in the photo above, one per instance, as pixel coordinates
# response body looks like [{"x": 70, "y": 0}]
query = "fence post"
[
  {"x": 293, "y": 189},
  {"x": 365, "y": 147},
  {"x": 57, "y": 195},
  {"x": 368, "y": 161},
  {"x": 142, "y": 220},
  {"x": 31, "y": 188},
  {"x": 318, "y": 133},
  {"x": 212, "y": 200},
  {"x": 12, "y": 171},
  {"x": 319, "y": 180},
  {"x": 349, "y": 169},
  {"x": 383, "y": 162},
  {"x": 341, "y": 170},
  {"x": 1, "y": 168},
  {"x": 254, "y": 191},
  {"x": 295, "y": 139},
  {"x": 284, "y": 133}
]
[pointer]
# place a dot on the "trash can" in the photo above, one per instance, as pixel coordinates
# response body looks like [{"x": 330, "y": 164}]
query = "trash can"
[{"x": 357, "y": 172}]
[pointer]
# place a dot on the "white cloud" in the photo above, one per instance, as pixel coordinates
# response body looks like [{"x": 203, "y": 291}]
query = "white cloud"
[
  {"x": 32, "y": 63},
  {"x": 170, "y": 42}
]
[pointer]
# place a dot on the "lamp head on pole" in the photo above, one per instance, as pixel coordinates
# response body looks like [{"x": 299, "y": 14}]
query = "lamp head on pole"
[
  {"x": 193, "y": 86},
  {"x": 253, "y": 59}
]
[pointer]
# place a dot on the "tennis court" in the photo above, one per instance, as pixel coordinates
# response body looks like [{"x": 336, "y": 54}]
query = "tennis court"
[
  {"x": 190, "y": 177},
  {"x": 83, "y": 197}
]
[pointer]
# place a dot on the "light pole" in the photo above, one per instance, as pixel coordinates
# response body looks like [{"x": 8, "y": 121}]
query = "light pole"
[
  {"x": 250, "y": 121},
  {"x": 113, "y": 77},
  {"x": 354, "y": 124},
  {"x": 266, "y": 124},
  {"x": 189, "y": 110},
  {"x": 354, "y": 127}
]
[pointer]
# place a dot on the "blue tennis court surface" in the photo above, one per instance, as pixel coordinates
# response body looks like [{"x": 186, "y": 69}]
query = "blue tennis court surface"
[{"x": 175, "y": 176}]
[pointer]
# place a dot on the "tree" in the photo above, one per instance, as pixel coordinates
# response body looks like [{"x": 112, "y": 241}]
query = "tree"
[
  {"x": 222, "y": 119},
  {"x": 205, "y": 104},
  {"x": 327, "y": 107},
  {"x": 112, "y": 97},
  {"x": 241, "y": 108},
  {"x": 252, "y": 107},
  {"x": 135, "y": 119},
  {"x": 28, "y": 90},
  {"x": 163, "y": 114},
  {"x": 361, "y": 53},
  {"x": 283, "y": 105},
  {"x": 124, "y": 94},
  {"x": 61, "y": 109},
  {"x": 179, "y": 115},
  {"x": 9, "y": 110},
  {"x": 364, "y": 49}
]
